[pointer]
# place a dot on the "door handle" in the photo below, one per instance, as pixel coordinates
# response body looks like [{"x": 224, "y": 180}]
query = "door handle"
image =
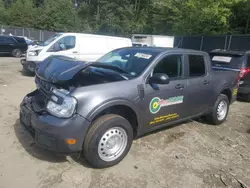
[
  {"x": 75, "y": 52},
  {"x": 206, "y": 82},
  {"x": 179, "y": 86}
]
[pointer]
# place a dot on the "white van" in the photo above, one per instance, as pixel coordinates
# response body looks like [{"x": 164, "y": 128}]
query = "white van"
[{"x": 85, "y": 47}]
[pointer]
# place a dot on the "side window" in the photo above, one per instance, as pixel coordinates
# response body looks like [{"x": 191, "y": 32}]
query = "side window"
[
  {"x": 196, "y": 66},
  {"x": 171, "y": 65},
  {"x": 65, "y": 43},
  {"x": 9, "y": 40}
]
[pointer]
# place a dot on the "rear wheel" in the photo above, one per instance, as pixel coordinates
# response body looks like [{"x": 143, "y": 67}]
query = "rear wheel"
[
  {"x": 108, "y": 141},
  {"x": 16, "y": 53},
  {"x": 220, "y": 111}
]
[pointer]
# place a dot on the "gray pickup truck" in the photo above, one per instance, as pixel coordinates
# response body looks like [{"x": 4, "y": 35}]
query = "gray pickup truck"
[{"x": 98, "y": 108}]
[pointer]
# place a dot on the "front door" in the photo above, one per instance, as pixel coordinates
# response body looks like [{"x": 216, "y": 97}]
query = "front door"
[
  {"x": 65, "y": 46},
  {"x": 165, "y": 103}
]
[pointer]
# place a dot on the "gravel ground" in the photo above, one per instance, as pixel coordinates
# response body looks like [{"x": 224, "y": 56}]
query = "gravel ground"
[{"x": 189, "y": 155}]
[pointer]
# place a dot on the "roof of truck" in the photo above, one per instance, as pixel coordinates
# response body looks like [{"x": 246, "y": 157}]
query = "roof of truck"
[{"x": 164, "y": 49}]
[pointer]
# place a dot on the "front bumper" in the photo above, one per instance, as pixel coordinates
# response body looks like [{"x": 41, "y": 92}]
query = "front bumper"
[
  {"x": 29, "y": 66},
  {"x": 51, "y": 132}
]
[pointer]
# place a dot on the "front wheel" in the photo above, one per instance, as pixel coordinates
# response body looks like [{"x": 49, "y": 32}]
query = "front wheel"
[
  {"x": 220, "y": 111},
  {"x": 16, "y": 53},
  {"x": 108, "y": 141}
]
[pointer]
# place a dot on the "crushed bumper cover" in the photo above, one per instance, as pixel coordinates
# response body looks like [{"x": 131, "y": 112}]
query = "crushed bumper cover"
[{"x": 51, "y": 132}]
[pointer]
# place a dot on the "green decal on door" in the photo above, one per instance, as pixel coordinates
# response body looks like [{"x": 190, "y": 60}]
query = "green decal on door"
[{"x": 156, "y": 103}]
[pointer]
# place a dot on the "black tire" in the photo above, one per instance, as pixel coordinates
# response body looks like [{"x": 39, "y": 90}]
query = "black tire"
[
  {"x": 17, "y": 53},
  {"x": 212, "y": 117},
  {"x": 94, "y": 135}
]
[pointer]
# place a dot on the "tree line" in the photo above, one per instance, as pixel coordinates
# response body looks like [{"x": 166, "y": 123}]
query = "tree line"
[{"x": 124, "y": 17}]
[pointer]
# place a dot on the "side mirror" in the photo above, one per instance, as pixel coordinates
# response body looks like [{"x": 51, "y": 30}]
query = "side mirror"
[{"x": 159, "y": 78}]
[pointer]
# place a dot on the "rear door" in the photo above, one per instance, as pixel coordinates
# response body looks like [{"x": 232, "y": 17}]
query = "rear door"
[
  {"x": 199, "y": 85},
  {"x": 7, "y": 44},
  {"x": 10, "y": 44}
]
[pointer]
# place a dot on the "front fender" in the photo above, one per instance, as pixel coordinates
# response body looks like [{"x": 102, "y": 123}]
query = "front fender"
[{"x": 106, "y": 104}]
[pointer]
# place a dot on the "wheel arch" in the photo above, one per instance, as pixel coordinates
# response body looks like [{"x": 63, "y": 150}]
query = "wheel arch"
[
  {"x": 228, "y": 92},
  {"x": 124, "y": 108}
]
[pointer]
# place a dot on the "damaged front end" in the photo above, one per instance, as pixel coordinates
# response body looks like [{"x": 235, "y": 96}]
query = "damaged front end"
[
  {"x": 50, "y": 123},
  {"x": 58, "y": 76},
  {"x": 47, "y": 99},
  {"x": 50, "y": 112}
]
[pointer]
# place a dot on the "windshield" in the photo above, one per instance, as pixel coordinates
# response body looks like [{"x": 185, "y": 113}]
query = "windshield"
[
  {"x": 28, "y": 41},
  {"x": 130, "y": 60},
  {"x": 51, "y": 39},
  {"x": 227, "y": 61}
]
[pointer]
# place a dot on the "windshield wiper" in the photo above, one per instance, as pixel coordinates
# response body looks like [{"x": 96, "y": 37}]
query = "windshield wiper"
[{"x": 102, "y": 65}]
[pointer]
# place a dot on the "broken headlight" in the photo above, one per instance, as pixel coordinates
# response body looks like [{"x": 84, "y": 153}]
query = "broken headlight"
[{"x": 65, "y": 108}]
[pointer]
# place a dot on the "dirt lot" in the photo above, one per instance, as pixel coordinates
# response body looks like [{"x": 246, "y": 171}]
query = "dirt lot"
[{"x": 190, "y": 155}]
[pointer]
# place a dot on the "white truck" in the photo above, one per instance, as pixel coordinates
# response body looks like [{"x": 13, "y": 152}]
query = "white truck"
[{"x": 139, "y": 40}]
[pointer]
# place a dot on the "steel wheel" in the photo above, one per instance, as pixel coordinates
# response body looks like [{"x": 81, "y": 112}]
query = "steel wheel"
[
  {"x": 222, "y": 110},
  {"x": 112, "y": 144}
]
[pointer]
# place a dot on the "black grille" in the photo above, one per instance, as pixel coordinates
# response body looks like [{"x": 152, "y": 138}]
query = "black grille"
[{"x": 39, "y": 101}]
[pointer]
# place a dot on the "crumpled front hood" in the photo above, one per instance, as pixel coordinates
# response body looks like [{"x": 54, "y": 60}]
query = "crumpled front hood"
[{"x": 58, "y": 69}]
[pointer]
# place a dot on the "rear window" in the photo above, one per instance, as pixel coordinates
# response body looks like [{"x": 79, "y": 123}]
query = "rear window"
[{"x": 227, "y": 61}]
